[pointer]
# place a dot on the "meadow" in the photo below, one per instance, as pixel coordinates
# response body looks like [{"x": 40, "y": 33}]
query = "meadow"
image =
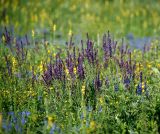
[{"x": 79, "y": 67}]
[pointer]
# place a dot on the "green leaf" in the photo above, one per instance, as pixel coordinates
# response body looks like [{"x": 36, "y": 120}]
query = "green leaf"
[{"x": 156, "y": 71}]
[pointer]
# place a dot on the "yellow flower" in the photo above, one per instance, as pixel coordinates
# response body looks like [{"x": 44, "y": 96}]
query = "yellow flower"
[
  {"x": 14, "y": 62},
  {"x": 51, "y": 120},
  {"x": 49, "y": 51},
  {"x": 75, "y": 70},
  {"x": 70, "y": 32},
  {"x": 45, "y": 93},
  {"x": 67, "y": 72},
  {"x": 31, "y": 92},
  {"x": 54, "y": 55},
  {"x": 83, "y": 89},
  {"x": 143, "y": 85},
  {"x": 92, "y": 125},
  {"x": 149, "y": 65},
  {"x": 41, "y": 67},
  {"x": 101, "y": 100},
  {"x": 33, "y": 33},
  {"x": 54, "y": 27}
]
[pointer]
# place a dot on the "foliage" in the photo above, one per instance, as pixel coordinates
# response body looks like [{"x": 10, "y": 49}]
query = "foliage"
[{"x": 96, "y": 87}]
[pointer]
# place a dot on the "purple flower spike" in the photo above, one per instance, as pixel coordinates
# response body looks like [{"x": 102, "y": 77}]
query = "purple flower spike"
[
  {"x": 97, "y": 82},
  {"x": 139, "y": 89},
  {"x": 80, "y": 67},
  {"x": 91, "y": 54}
]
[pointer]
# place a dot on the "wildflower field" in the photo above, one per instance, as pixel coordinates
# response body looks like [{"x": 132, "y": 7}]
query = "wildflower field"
[{"x": 88, "y": 67}]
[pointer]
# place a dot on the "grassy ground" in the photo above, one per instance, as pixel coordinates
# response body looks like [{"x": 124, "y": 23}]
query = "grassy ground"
[{"x": 120, "y": 17}]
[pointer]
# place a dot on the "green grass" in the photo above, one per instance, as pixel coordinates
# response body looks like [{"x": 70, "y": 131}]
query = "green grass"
[
  {"x": 120, "y": 17},
  {"x": 64, "y": 104}
]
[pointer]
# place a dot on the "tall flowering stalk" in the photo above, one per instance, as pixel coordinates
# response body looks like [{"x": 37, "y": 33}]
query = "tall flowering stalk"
[
  {"x": 82, "y": 49},
  {"x": 8, "y": 37},
  {"x": 70, "y": 63},
  {"x": 54, "y": 71},
  {"x": 97, "y": 82},
  {"x": 109, "y": 44},
  {"x": 58, "y": 68},
  {"x": 47, "y": 76},
  {"x": 8, "y": 65},
  {"x": 21, "y": 53},
  {"x": 91, "y": 53},
  {"x": 108, "y": 47},
  {"x": 80, "y": 68}
]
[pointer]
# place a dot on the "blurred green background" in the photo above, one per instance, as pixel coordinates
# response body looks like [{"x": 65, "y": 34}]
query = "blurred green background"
[{"x": 139, "y": 17}]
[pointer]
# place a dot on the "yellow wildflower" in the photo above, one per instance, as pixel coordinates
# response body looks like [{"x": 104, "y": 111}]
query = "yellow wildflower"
[
  {"x": 49, "y": 51},
  {"x": 75, "y": 70},
  {"x": 54, "y": 27},
  {"x": 31, "y": 92},
  {"x": 45, "y": 93},
  {"x": 142, "y": 90},
  {"x": 14, "y": 62},
  {"x": 41, "y": 67},
  {"x": 51, "y": 120},
  {"x": 92, "y": 125},
  {"x": 54, "y": 55},
  {"x": 33, "y": 33},
  {"x": 143, "y": 85},
  {"x": 149, "y": 65},
  {"x": 101, "y": 100},
  {"x": 83, "y": 90},
  {"x": 70, "y": 32},
  {"x": 67, "y": 71}
]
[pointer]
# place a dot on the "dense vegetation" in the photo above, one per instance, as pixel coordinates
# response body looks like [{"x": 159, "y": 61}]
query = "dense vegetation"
[{"x": 55, "y": 78}]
